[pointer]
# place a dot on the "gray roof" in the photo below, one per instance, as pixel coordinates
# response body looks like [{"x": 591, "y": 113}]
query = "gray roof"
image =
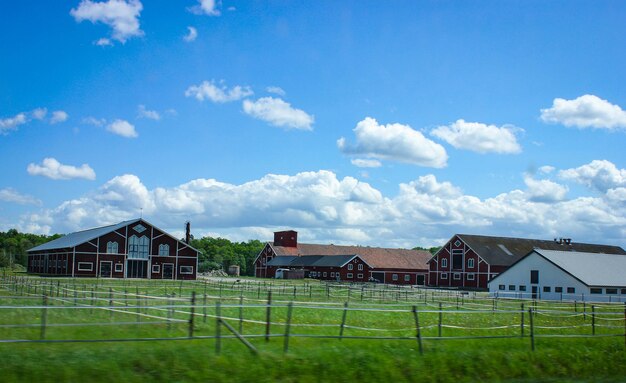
[
  {"x": 281, "y": 261},
  {"x": 76, "y": 238},
  {"x": 593, "y": 269},
  {"x": 505, "y": 251},
  {"x": 311, "y": 260}
]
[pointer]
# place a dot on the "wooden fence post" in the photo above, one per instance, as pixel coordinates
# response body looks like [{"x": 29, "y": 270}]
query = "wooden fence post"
[
  {"x": 593, "y": 320},
  {"x": 288, "y": 327},
  {"x": 241, "y": 313},
  {"x": 44, "y": 317},
  {"x": 218, "y": 329},
  {"x": 193, "y": 313},
  {"x": 169, "y": 312},
  {"x": 111, "y": 301},
  {"x": 440, "y": 320},
  {"x": 204, "y": 304},
  {"x": 419, "y": 332},
  {"x": 268, "y": 315},
  {"x": 343, "y": 319},
  {"x": 532, "y": 329},
  {"x": 522, "y": 323}
]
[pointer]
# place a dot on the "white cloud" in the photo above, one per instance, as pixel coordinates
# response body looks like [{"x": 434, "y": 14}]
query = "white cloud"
[
  {"x": 103, "y": 42},
  {"x": 55, "y": 170},
  {"x": 598, "y": 174},
  {"x": 121, "y": 15},
  {"x": 328, "y": 209},
  {"x": 206, "y": 7},
  {"x": 544, "y": 190},
  {"x": 191, "y": 35},
  {"x": 122, "y": 128},
  {"x": 94, "y": 121},
  {"x": 145, "y": 113},
  {"x": 587, "y": 111},
  {"x": 209, "y": 90},
  {"x": 395, "y": 142},
  {"x": 58, "y": 116},
  {"x": 11, "y": 123},
  {"x": 279, "y": 113},
  {"x": 39, "y": 113},
  {"x": 363, "y": 163},
  {"x": 12, "y": 195},
  {"x": 276, "y": 90},
  {"x": 479, "y": 137},
  {"x": 547, "y": 169}
]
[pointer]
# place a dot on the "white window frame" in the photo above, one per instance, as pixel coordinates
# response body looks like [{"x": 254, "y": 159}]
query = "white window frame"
[
  {"x": 407, "y": 277},
  {"x": 190, "y": 268},
  {"x": 120, "y": 269},
  {"x": 444, "y": 262},
  {"x": 457, "y": 276},
  {"x": 332, "y": 274},
  {"x": 156, "y": 269},
  {"x": 359, "y": 276},
  {"x": 350, "y": 275},
  {"x": 350, "y": 266},
  {"x": 81, "y": 266},
  {"x": 164, "y": 250},
  {"x": 112, "y": 247},
  {"x": 444, "y": 275},
  {"x": 471, "y": 276},
  {"x": 325, "y": 274},
  {"x": 470, "y": 263},
  {"x": 360, "y": 267},
  {"x": 138, "y": 247},
  {"x": 394, "y": 277}
]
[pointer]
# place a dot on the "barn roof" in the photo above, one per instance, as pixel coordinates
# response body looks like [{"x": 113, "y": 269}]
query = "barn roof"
[
  {"x": 592, "y": 269},
  {"x": 505, "y": 251},
  {"x": 311, "y": 260},
  {"x": 281, "y": 261},
  {"x": 76, "y": 238},
  {"x": 376, "y": 257}
]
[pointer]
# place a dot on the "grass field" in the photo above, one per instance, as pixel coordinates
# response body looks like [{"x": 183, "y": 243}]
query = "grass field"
[{"x": 98, "y": 330}]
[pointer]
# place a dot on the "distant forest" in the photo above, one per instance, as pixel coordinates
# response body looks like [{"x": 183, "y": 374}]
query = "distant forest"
[{"x": 215, "y": 253}]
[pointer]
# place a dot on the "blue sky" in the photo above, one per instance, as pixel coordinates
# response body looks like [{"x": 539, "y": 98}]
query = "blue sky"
[{"x": 376, "y": 123}]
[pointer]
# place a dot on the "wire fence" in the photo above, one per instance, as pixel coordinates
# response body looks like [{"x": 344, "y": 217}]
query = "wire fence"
[{"x": 38, "y": 310}]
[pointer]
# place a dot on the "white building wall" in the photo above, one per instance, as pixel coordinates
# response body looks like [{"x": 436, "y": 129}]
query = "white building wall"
[{"x": 549, "y": 275}]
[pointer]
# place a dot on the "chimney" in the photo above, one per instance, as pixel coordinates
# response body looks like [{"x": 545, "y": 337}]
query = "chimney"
[
  {"x": 287, "y": 238},
  {"x": 187, "y": 232}
]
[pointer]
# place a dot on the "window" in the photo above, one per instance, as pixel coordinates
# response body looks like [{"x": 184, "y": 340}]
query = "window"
[
  {"x": 394, "y": 277},
  {"x": 595, "y": 290},
  {"x": 571, "y": 290},
  {"x": 444, "y": 275},
  {"x": 534, "y": 276},
  {"x": 611, "y": 291},
  {"x": 470, "y": 263},
  {"x": 164, "y": 250},
  {"x": 186, "y": 269},
  {"x": 470, "y": 276},
  {"x": 325, "y": 274},
  {"x": 522, "y": 287},
  {"x": 156, "y": 269},
  {"x": 360, "y": 276},
  {"x": 511, "y": 287},
  {"x": 558, "y": 289},
  {"x": 350, "y": 266},
  {"x": 457, "y": 243},
  {"x": 457, "y": 259},
  {"x": 360, "y": 267},
  {"x": 444, "y": 262},
  {"x": 457, "y": 276},
  {"x": 350, "y": 275},
  {"x": 501, "y": 287},
  {"x": 332, "y": 274},
  {"x": 623, "y": 291},
  {"x": 139, "y": 228},
  {"x": 407, "y": 278},
  {"x": 119, "y": 267},
  {"x": 112, "y": 247},
  {"x": 312, "y": 274},
  {"x": 138, "y": 247},
  {"x": 85, "y": 266},
  {"x": 546, "y": 289}
]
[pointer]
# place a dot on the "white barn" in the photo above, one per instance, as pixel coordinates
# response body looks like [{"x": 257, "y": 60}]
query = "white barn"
[{"x": 564, "y": 275}]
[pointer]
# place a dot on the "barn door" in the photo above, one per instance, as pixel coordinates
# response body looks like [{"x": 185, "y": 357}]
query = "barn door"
[{"x": 534, "y": 291}]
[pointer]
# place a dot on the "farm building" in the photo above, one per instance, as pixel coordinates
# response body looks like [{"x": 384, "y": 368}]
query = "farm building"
[
  {"x": 470, "y": 261},
  {"x": 345, "y": 263},
  {"x": 129, "y": 249},
  {"x": 558, "y": 275}
]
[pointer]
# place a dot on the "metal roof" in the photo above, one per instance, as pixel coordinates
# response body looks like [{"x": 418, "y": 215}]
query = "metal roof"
[
  {"x": 593, "y": 269},
  {"x": 76, "y": 238},
  {"x": 281, "y": 261},
  {"x": 311, "y": 260}
]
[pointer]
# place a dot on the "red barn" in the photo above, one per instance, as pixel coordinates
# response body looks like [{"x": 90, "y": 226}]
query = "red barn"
[
  {"x": 129, "y": 249},
  {"x": 345, "y": 263},
  {"x": 470, "y": 261}
]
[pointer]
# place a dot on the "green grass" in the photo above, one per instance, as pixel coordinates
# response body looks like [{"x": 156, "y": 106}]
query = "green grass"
[{"x": 309, "y": 359}]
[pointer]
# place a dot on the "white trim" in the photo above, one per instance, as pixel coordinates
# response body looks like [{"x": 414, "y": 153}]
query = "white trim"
[
  {"x": 85, "y": 263},
  {"x": 100, "y": 271},
  {"x": 186, "y": 273},
  {"x": 122, "y": 267},
  {"x": 156, "y": 269},
  {"x": 163, "y": 271}
]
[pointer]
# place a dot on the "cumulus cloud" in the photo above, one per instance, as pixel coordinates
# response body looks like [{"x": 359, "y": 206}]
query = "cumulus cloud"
[
  {"x": 207, "y": 7},
  {"x": 39, "y": 113},
  {"x": 122, "y": 128},
  {"x": 547, "y": 169},
  {"x": 55, "y": 170},
  {"x": 395, "y": 142},
  {"x": 326, "y": 208},
  {"x": 363, "y": 163},
  {"x": 13, "y": 196},
  {"x": 103, "y": 42},
  {"x": 94, "y": 121},
  {"x": 587, "y": 111},
  {"x": 276, "y": 90},
  {"x": 11, "y": 123},
  {"x": 598, "y": 174},
  {"x": 121, "y": 15},
  {"x": 217, "y": 92},
  {"x": 479, "y": 137},
  {"x": 142, "y": 112},
  {"x": 58, "y": 116},
  {"x": 192, "y": 34},
  {"x": 279, "y": 113}
]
